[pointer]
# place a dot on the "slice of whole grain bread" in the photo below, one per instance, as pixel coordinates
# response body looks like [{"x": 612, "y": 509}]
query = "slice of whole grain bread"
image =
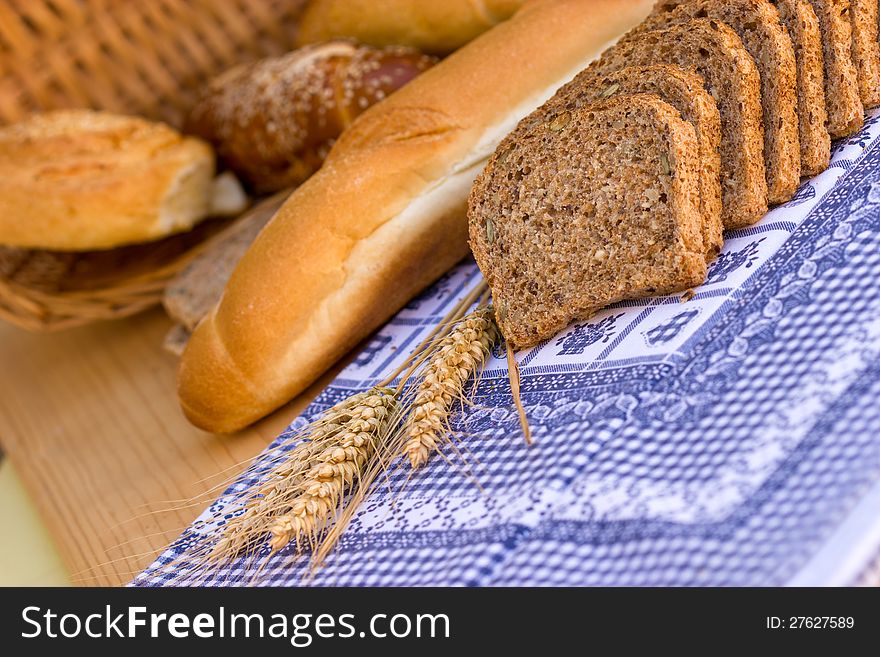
[
  {"x": 732, "y": 79},
  {"x": 683, "y": 89},
  {"x": 757, "y": 24},
  {"x": 591, "y": 206},
  {"x": 842, "y": 96},
  {"x": 803, "y": 28},
  {"x": 866, "y": 50}
]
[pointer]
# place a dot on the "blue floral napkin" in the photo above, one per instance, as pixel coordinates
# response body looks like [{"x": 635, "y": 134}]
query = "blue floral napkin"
[{"x": 729, "y": 439}]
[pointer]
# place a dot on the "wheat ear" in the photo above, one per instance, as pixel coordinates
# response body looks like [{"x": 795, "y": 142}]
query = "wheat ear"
[
  {"x": 336, "y": 469},
  {"x": 302, "y": 481},
  {"x": 458, "y": 356}
]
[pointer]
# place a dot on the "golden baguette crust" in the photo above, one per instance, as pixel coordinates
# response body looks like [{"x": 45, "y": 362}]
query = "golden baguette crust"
[
  {"x": 78, "y": 180},
  {"x": 435, "y": 26},
  {"x": 384, "y": 217}
]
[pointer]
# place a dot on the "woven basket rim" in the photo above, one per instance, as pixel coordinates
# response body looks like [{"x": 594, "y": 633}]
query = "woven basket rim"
[{"x": 41, "y": 310}]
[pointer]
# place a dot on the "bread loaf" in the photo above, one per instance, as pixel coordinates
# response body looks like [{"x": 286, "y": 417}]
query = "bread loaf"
[
  {"x": 803, "y": 28},
  {"x": 731, "y": 77},
  {"x": 842, "y": 95},
  {"x": 683, "y": 89},
  {"x": 384, "y": 216},
  {"x": 437, "y": 27},
  {"x": 588, "y": 207},
  {"x": 79, "y": 180},
  {"x": 757, "y": 24},
  {"x": 274, "y": 121}
]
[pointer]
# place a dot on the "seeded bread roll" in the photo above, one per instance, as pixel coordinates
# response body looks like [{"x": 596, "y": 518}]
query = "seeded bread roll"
[
  {"x": 438, "y": 27},
  {"x": 571, "y": 215},
  {"x": 274, "y": 121},
  {"x": 78, "y": 180},
  {"x": 731, "y": 77},
  {"x": 866, "y": 50},
  {"x": 803, "y": 28},
  {"x": 683, "y": 90},
  {"x": 757, "y": 23},
  {"x": 386, "y": 214},
  {"x": 842, "y": 97}
]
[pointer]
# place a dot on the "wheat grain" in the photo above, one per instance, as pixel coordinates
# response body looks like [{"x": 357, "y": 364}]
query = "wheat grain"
[{"x": 458, "y": 356}]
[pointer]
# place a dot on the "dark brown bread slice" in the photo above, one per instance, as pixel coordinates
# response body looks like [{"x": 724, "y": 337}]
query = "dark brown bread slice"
[
  {"x": 683, "y": 89},
  {"x": 866, "y": 50},
  {"x": 732, "y": 78},
  {"x": 842, "y": 98},
  {"x": 757, "y": 23},
  {"x": 593, "y": 206},
  {"x": 803, "y": 28}
]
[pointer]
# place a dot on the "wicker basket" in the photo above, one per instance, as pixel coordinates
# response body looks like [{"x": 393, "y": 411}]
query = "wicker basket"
[{"x": 146, "y": 57}]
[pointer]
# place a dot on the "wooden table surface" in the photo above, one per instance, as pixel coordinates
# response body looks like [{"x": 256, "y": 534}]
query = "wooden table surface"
[{"x": 90, "y": 420}]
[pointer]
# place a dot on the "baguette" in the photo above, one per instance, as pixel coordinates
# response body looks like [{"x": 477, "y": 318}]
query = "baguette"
[
  {"x": 192, "y": 293},
  {"x": 435, "y": 26},
  {"x": 384, "y": 216}
]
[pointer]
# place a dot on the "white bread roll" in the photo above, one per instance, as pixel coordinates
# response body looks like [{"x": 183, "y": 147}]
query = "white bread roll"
[
  {"x": 434, "y": 26},
  {"x": 76, "y": 180},
  {"x": 385, "y": 216}
]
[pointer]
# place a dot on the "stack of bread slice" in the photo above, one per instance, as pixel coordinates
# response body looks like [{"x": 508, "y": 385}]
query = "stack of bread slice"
[{"x": 700, "y": 118}]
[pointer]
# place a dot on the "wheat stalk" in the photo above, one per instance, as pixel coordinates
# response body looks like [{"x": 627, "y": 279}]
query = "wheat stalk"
[
  {"x": 313, "y": 483},
  {"x": 459, "y": 355}
]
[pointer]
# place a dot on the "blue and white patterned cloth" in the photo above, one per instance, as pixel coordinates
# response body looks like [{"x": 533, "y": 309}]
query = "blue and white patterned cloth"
[{"x": 730, "y": 439}]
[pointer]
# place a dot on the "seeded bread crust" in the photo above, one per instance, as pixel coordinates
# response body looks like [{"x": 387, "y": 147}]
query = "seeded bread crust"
[
  {"x": 866, "y": 50},
  {"x": 842, "y": 97},
  {"x": 803, "y": 28},
  {"x": 757, "y": 24},
  {"x": 683, "y": 89},
  {"x": 273, "y": 121},
  {"x": 718, "y": 55},
  {"x": 597, "y": 205}
]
